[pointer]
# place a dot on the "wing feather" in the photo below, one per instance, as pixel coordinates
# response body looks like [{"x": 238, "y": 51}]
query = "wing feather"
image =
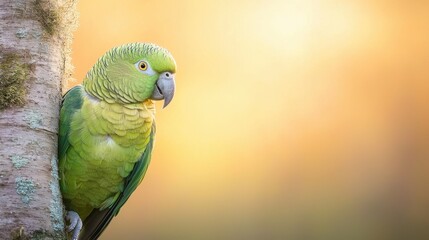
[{"x": 71, "y": 103}]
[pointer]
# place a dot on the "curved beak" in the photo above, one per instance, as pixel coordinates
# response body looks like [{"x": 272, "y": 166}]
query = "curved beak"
[{"x": 164, "y": 88}]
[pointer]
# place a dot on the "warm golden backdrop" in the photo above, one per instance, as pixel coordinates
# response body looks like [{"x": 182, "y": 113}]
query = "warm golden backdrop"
[{"x": 292, "y": 119}]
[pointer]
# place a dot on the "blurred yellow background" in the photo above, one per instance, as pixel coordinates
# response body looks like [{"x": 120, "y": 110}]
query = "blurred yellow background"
[{"x": 292, "y": 119}]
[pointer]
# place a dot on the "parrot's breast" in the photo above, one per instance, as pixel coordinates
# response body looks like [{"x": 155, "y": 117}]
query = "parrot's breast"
[{"x": 106, "y": 141}]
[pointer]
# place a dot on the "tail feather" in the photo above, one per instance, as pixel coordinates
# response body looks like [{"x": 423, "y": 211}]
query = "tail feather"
[{"x": 95, "y": 224}]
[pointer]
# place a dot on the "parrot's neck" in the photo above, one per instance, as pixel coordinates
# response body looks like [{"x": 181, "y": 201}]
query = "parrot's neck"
[
  {"x": 97, "y": 102},
  {"x": 96, "y": 90}
]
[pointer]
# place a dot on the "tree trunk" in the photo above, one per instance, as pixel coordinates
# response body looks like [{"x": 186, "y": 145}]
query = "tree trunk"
[{"x": 35, "y": 36}]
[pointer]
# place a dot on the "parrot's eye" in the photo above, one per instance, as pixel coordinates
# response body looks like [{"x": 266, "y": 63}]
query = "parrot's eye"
[{"x": 142, "y": 65}]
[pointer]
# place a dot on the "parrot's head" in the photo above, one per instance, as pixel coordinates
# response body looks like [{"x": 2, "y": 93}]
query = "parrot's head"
[{"x": 133, "y": 73}]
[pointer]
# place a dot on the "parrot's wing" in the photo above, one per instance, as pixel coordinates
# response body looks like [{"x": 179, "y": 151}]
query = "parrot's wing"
[
  {"x": 98, "y": 220},
  {"x": 72, "y": 102}
]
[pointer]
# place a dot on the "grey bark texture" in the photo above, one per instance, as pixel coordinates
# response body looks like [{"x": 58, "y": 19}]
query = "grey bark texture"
[{"x": 35, "y": 37}]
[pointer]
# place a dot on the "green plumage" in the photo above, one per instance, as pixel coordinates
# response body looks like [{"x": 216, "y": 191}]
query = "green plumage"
[{"x": 107, "y": 131}]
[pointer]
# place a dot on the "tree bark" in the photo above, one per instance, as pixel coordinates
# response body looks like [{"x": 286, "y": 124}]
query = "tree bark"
[{"x": 35, "y": 37}]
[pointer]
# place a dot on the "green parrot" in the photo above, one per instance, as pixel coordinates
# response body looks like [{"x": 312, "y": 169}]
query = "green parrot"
[{"x": 107, "y": 130}]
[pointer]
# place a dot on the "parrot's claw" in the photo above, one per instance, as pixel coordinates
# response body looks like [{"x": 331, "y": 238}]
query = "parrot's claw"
[{"x": 75, "y": 224}]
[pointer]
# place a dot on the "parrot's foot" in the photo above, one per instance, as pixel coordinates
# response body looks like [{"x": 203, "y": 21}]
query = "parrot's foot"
[{"x": 75, "y": 224}]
